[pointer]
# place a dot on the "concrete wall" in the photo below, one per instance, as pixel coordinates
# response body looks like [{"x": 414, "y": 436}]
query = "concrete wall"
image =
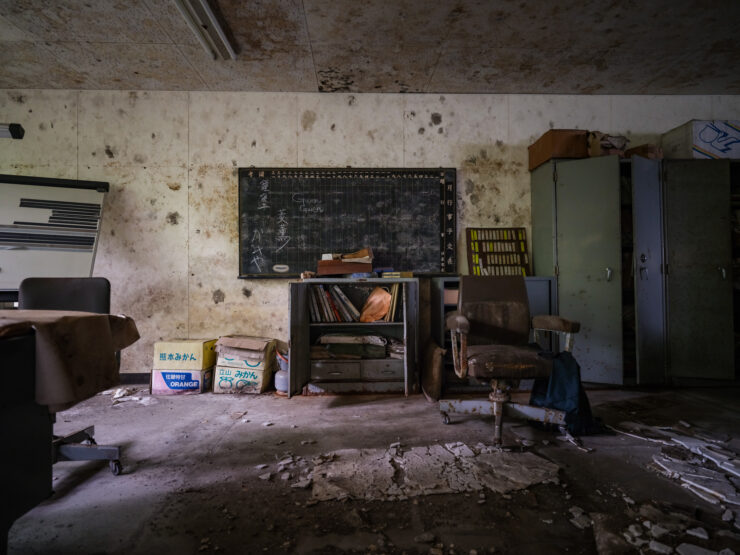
[{"x": 169, "y": 234}]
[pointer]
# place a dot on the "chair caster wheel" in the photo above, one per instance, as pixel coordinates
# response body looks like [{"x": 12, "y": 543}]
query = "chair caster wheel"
[
  {"x": 445, "y": 418},
  {"x": 115, "y": 467}
]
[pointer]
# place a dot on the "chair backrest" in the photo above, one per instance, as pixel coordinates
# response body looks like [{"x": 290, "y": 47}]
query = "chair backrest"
[
  {"x": 497, "y": 309},
  {"x": 83, "y": 294}
]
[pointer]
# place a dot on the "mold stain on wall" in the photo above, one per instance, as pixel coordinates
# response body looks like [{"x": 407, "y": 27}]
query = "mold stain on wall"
[{"x": 495, "y": 187}]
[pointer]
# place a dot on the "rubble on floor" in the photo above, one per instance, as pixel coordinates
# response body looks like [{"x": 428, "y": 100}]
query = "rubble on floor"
[
  {"x": 659, "y": 528},
  {"x": 398, "y": 473},
  {"x": 702, "y": 461},
  {"x": 127, "y": 394}
]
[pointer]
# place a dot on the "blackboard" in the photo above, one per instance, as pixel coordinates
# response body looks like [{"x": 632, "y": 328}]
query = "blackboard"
[{"x": 289, "y": 217}]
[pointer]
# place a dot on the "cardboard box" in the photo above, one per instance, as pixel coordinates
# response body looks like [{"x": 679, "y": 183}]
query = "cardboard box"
[
  {"x": 704, "y": 139},
  {"x": 248, "y": 353},
  {"x": 181, "y": 382},
  {"x": 245, "y": 364},
  {"x": 650, "y": 151},
  {"x": 558, "y": 143},
  {"x": 184, "y": 354},
  {"x": 228, "y": 379}
]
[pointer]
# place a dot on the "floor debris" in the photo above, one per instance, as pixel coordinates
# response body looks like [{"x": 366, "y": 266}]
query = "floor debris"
[
  {"x": 426, "y": 537},
  {"x": 702, "y": 461},
  {"x": 399, "y": 473},
  {"x": 580, "y": 518},
  {"x": 659, "y": 547},
  {"x": 698, "y": 533},
  {"x": 691, "y": 549}
]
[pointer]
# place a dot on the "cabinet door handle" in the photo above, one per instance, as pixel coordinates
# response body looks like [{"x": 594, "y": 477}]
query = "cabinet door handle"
[
  {"x": 335, "y": 373},
  {"x": 722, "y": 271},
  {"x": 609, "y": 273},
  {"x": 643, "y": 271}
]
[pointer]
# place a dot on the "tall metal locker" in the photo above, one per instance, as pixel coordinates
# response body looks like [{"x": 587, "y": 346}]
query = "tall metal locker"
[
  {"x": 698, "y": 249},
  {"x": 678, "y": 220},
  {"x": 580, "y": 242}
]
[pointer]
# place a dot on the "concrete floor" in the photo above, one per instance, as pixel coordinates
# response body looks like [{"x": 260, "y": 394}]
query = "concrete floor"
[{"x": 190, "y": 481}]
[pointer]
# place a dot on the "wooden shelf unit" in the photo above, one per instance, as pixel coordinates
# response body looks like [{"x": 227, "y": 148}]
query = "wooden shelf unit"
[{"x": 361, "y": 375}]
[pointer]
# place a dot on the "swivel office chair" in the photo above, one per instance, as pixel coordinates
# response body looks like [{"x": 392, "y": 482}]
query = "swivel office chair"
[
  {"x": 490, "y": 341},
  {"x": 85, "y": 295}
]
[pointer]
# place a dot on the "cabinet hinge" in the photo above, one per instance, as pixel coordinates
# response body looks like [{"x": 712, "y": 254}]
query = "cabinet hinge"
[{"x": 556, "y": 270}]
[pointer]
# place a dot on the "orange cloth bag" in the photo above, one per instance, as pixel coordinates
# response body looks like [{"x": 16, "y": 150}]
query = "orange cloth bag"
[{"x": 376, "y": 306}]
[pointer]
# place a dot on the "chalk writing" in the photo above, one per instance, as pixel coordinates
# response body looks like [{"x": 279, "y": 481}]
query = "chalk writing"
[
  {"x": 289, "y": 217},
  {"x": 257, "y": 258},
  {"x": 264, "y": 200},
  {"x": 282, "y": 222},
  {"x": 308, "y": 205}
]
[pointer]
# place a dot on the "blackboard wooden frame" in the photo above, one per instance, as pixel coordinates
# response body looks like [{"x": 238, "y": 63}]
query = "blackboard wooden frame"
[{"x": 288, "y": 217}]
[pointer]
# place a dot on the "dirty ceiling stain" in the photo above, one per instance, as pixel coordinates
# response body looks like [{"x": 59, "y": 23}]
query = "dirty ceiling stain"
[
  {"x": 173, "y": 218},
  {"x": 416, "y": 46}
]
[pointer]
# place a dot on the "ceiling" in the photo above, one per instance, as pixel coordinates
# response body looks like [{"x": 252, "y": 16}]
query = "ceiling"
[{"x": 390, "y": 46}]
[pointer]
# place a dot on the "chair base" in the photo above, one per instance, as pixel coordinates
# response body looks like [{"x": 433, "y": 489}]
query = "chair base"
[
  {"x": 498, "y": 409},
  {"x": 81, "y": 446}
]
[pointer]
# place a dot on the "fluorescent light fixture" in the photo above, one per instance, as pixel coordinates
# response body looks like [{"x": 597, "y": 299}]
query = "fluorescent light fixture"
[
  {"x": 203, "y": 23},
  {"x": 11, "y": 131}
]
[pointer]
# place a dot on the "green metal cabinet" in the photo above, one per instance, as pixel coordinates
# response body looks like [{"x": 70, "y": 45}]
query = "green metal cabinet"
[{"x": 642, "y": 254}]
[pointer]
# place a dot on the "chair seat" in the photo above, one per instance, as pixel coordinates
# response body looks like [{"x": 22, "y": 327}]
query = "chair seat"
[{"x": 507, "y": 361}]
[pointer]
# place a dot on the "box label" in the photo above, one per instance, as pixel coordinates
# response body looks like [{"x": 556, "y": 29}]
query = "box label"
[
  {"x": 236, "y": 380},
  {"x": 184, "y": 354},
  {"x": 716, "y": 139},
  {"x": 180, "y": 380}
]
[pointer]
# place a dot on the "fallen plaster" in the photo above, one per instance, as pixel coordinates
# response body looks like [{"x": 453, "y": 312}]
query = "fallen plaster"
[
  {"x": 703, "y": 464},
  {"x": 398, "y": 473},
  {"x": 710, "y": 482}
]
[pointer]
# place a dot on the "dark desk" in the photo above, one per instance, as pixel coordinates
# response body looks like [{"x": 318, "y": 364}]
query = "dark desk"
[{"x": 49, "y": 361}]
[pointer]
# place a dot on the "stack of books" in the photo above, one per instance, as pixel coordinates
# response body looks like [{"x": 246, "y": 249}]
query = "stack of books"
[
  {"x": 357, "y": 262},
  {"x": 328, "y": 303},
  {"x": 395, "y": 293},
  {"x": 351, "y": 346}
]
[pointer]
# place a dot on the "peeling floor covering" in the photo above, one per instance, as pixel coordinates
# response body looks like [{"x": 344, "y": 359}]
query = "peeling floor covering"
[{"x": 377, "y": 474}]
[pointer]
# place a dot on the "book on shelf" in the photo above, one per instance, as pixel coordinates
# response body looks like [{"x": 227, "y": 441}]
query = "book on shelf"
[
  {"x": 326, "y": 315},
  {"x": 330, "y": 310},
  {"x": 343, "y": 310},
  {"x": 312, "y": 307},
  {"x": 351, "y": 308},
  {"x": 390, "y": 316}
]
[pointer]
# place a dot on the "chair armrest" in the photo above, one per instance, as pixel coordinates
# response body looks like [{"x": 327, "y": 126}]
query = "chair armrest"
[
  {"x": 457, "y": 322},
  {"x": 555, "y": 323}
]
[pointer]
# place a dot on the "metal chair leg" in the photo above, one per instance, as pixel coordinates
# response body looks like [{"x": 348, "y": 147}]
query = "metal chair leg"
[{"x": 498, "y": 414}]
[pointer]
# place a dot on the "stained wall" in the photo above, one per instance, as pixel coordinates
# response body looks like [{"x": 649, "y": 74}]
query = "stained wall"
[{"x": 169, "y": 234}]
